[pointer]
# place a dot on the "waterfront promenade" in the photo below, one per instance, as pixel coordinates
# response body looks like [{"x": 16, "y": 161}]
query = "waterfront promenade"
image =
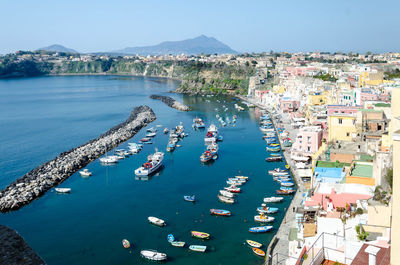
[{"x": 278, "y": 248}]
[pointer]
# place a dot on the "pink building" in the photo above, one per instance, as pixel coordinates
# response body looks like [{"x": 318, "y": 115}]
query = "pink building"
[
  {"x": 289, "y": 105},
  {"x": 258, "y": 94},
  {"x": 308, "y": 141},
  {"x": 373, "y": 97},
  {"x": 299, "y": 71},
  {"x": 342, "y": 109}
]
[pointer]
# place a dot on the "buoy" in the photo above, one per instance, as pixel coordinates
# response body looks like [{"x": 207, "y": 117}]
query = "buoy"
[{"x": 287, "y": 166}]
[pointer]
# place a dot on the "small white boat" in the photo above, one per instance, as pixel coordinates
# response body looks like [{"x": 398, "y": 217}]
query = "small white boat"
[
  {"x": 253, "y": 244},
  {"x": 263, "y": 218},
  {"x": 151, "y": 134},
  {"x": 108, "y": 160},
  {"x": 156, "y": 221},
  {"x": 242, "y": 177},
  {"x": 198, "y": 248},
  {"x": 63, "y": 190},
  {"x": 226, "y": 199},
  {"x": 179, "y": 244},
  {"x": 85, "y": 173},
  {"x": 273, "y": 199},
  {"x": 153, "y": 255},
  {"x": 227, "y": 193}
]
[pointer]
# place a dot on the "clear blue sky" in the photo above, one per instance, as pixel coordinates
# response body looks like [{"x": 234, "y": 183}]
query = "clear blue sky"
[{"x": 280, "y": 25}]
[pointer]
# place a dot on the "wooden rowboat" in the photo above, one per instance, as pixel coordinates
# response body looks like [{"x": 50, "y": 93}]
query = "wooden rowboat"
[
  {"x": 253, "y": 244},
  {"x": 200, "y": 235},
  {"x": 259, "y": 252}
]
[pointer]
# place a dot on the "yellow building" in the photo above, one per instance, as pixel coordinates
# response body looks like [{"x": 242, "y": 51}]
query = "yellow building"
[
  {"x": 370, "y": 79},
  {"x": 316, "y": 99},
  {"x": 278, "y": 89},
  {"x": 341, "y": 127}
]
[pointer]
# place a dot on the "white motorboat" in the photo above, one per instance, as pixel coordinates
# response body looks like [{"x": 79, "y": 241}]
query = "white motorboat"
[
  {"x": 262, "y": 218},
  {"x": 151, "y": 134},
  {"x": 135, "y": 148},
  {"x": 85, "y": 173},
  {"x": 108, "y": 160},
  {"x": 226, "y": 199},
  {"x": 212, "y": 134},
  {"x": 63, "y": 190},
  {"x": 154, "y": 162},
  {"x": 153, "y": 255},
  {"x": 227, "y": 193},
  {"x": 156, "y": 221},
  {"x": 273, "y": 199}
]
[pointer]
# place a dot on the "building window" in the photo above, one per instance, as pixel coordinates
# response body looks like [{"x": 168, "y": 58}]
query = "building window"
[
  {"x": 308, "y": 138},
  {"x": 340, "y": 121},
  {"x": 308, "y": 148},
  {"x": 347, "y": 134}
]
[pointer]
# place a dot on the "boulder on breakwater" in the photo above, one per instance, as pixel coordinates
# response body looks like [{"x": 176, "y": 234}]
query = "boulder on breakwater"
[
  {"x": 171, "y": 102},
  {"x": 36, "y": 182},
  {"x": 14, "y": 249}
]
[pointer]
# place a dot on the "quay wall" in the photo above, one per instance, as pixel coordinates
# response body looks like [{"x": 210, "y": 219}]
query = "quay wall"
[
  {"x": 51, "y": 173},
  {"x": 171, "y": 102}
]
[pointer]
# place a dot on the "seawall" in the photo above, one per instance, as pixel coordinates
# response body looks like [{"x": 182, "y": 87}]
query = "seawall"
[
  {"x": 171, "y": 102},
  {"x": 39, "y": 180}
]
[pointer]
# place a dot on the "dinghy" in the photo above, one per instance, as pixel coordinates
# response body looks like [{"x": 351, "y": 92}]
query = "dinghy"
[
  {"x": 153, "y": 255},
  {"x": 273, "y": 199},
  {"x": 198, "y": 248},
  {"x": 125, "y": 243},
  {"x": 85, "y": 173},
  {"x": 178, "y": 244},
  {"x": 220, "y": 212},
  {"x": 189, "y": 198},
  {"x": 263, "y": 218},
  {"x": 63, "y": 190},
  {"x": 226, "y": 199},
  {"x": 170, "y": 238},
  {"x": 232, "y": 189},
  {"x": 259, "y": 252},
  {"x": 200, "y": 235},
  {"x": 260, "y": 229},
  {"x": 253, "y": 244},
  {"x": 156, "y": 221},
  {"x": 265, "y": 209},
  {"x": 227, "y": 193}
]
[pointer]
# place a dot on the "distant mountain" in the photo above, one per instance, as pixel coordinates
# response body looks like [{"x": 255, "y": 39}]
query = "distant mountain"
[
  {"x": 201, "y": 44},
  {"x": 57, "y": 48}
]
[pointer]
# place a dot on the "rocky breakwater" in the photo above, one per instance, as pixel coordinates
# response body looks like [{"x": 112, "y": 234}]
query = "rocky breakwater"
[
  {"x": 171, "y": 102},
  {"x": 44, "y": 177}
]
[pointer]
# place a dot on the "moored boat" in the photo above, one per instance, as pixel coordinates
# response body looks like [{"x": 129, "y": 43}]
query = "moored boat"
[
  {"x": 85, "y": 173},
  {"x": 273, "y": 149},
  {"x": 170, "y": 238},
  {"x": 285, "y": 192},
  {"x": 274, "y": 158},
  {"x": 179, "y": 244},
  {"x": 166, "y": 130},
  {"x": 259, "y": 252},
  {"x": 154, "y": 163},
  {"x": 153, "y": 255},
  {"x": 220, "y": 212},
  {"x": 125, "y": 243},
  {"x": 287, "y": 184},
  {"x": 253, "y": 244},
  {"x": 189, "y": 198},
  {"x": 263, "y": 218},
  {"x": 260, "y": 229},
  {"x": 265, "y": 209},
  {"x": 63, "y": 190},
  {"x": 226, "y": 199},
  {"x": 156, "y": 221},
  {"x": 227, "y": 193},
  {"x": 233, "y": 189},
  {"x": 273, "y": 199},
  {"x": 200, "y": 235},
  {"x": 198, "y": 248}
]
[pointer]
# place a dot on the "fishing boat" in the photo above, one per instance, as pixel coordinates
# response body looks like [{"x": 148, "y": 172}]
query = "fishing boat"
[
  {"x": 259, "y": 252},
  {"x": 232, "y": 189},
  {"x": 153, "y": 255},
  {"x": 261, "y": 229},
  {"x": 135, "y": 148},
  {"x": 265, "y": 209},
  {"x": 170, "y": 238},
  {"x": 226, "y": 199},
  {"x": 198, "y": 123},
  {"x": 171, "y": 145},
  {"x": 145, "y": 139},
  {"x": 287, "y": 188},
  {"x": 212, "y": 134},
  {"x": 125, "y": 243},
  {"x": 242, "y": 177},
  {"x": 273, "y": 149},
  {"x": 206, "y": 157},
  {"x": 108, "y": 160},
  {"x": 151, "y": 134},
  {"x": 166, "y": 130},
  {"x": 277, "y": 171},
  {"x": 253, "y": 244},
  {"x": 282, "y": 179},
  {"x": 154, "y": 163},
  {"x": 284, "y": 192},
  {"x": 213, "y": 148},
  {"x": 179, "y": 244},
  {"x": 265, "y": 129},
  {"x": 200, "y": 235},
  {"x": 287, "y": 184},
  {"x": 273, "y": 199},
  {"x": 239, "y": 180},
  {"x": 85, "y": 173},
  {"x": 274, "y": 158},
  {"x": 227, "y": 193},
  {"x": 220, "y": 212},
  {"x": 198, "y": 248},
  {"x": 189, "y": 198},
  {"x": 63, "y": 190},
  {"x": 233, "y": 182},
  {"x": 151, "y": 129},
  {"x": 262, "y": 218},
  {"x": 156, "y": 221}
]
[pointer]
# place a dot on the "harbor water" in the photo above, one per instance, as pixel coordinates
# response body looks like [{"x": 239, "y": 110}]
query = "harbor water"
[{"x": 42, "y": 117}]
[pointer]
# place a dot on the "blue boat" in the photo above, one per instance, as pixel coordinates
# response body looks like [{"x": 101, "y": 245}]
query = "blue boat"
[
  {"x": 273, "y": 149},
  {"x": 268, "y": 210},
  {"x": 171, "y": 238},
  {"x": 287, "y": 188},
  {"x": 189, "y": 198},
  {"x": 261, "y": 229}
]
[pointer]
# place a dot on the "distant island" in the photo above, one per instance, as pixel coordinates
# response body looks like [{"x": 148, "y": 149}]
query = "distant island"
[
  {"x": 198, "y": 45},
  {"x": 57, "y": 48}
]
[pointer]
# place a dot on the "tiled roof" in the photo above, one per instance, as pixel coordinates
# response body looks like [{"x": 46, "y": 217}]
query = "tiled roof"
[{"x": 382, "y": 258}]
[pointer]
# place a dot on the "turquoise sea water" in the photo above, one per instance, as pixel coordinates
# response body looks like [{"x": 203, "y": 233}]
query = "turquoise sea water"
[{"x": 41, "y": 117}]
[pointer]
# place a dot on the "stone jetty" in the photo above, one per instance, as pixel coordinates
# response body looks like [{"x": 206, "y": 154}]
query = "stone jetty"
[
  {"x": 50, "y": 174},
  {"x": 15, "y": 250},
  {"x": 171, "y": 102}
]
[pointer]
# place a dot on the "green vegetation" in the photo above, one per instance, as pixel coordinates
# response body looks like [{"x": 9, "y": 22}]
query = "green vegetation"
[
  {"x": 361, "y": 234},
  {"x": 330, "y": 164},
  {"x": 10, "y": 68},
  {"x": 326, "y": 77},
  {"x": 392, "y": 74},
  {"x": 389, "y": 177}
]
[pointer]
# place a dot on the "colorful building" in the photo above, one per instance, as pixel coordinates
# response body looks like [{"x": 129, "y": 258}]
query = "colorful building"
[
  {"x": 308, "y": 141},
  {"x": 289, "y": 105},
  {"x": 341, "y": 127}
]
